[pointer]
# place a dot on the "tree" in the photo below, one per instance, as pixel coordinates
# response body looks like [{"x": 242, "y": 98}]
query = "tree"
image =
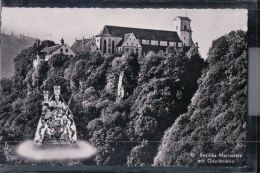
[{"x": 44, "y": 44}]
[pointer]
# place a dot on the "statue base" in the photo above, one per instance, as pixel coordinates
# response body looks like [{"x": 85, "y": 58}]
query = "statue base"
[
  {"x": 56, "y": 143},
  {"x": 56, "y": 151}
]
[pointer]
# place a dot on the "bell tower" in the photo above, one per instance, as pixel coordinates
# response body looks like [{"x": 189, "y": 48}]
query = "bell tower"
[{"x": 183, "y": 28}]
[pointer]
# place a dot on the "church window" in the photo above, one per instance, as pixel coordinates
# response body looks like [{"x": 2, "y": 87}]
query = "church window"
[
  {"x": 145, "y": 41},
  {"x": 185, "y": 27},
  {"x": 154, "y": 42},
  {"x": 163, "y": 43},
  {"x": 113, "y": 46},
  {"x": 171, "y": 44},
  {"x": 105, "y": 46},
  {"x": 67, "y": 50},
  {"x": 61, "y": 50}
]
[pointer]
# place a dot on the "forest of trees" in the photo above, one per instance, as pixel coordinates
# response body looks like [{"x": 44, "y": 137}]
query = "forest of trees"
[
  {"x": 217, "y": 113},
  {"x": 159, "y": 95}
]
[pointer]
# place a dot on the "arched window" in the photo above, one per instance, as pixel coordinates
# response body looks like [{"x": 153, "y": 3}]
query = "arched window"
[
  {"x": 113, "y": 46},
  {"x": 105, "y": 47}
]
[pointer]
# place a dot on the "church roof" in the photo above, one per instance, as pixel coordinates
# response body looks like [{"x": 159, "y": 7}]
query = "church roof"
[
  {"x": 80, "y": 45},
  {"x": 77, "y": 45},
  {"x": 182, "y": 18},
  {"x": 120, "y": 42},
  {"x": 146, "y": 34},
  {"x": 49, "y": 50}
]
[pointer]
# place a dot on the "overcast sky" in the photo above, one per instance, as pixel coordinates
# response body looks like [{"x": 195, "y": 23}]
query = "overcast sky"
[{"x": 74, "y": 23}]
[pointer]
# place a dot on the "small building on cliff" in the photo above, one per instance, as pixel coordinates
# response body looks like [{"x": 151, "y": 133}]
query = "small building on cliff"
[
  {"x": 62, "y": 48},
  {"x": 48, "y": 52}
]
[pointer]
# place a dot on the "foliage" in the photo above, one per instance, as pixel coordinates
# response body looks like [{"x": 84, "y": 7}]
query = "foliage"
[
  {"x": 217, "y": 112},
  {"x": 141, "y": 154},
  {"x": 158, "y": 88},
  {"x": 44, "y": 44}
]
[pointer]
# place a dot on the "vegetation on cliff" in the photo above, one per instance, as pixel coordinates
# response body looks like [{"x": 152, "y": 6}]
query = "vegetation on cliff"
[
  {"x": 158, "y": 89},
  {"x": 216, "y": 118}
]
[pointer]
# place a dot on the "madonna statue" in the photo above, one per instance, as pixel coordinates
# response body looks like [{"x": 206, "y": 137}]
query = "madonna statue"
[{"x": 56, "y": 124}]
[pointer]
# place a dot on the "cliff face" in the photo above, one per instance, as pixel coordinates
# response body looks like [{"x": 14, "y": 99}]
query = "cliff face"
[
  {"x": 120, "y": 87},
  {"x": 216, "y": 118},
  {"x": 11, "y": 46}
]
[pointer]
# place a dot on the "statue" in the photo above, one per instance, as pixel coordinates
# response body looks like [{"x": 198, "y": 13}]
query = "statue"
[{"x": 56, "y": 124}]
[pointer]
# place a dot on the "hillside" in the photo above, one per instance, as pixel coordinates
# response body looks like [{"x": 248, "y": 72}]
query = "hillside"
[
  {"x": 216, "y": 118},
  {"x": 152, "y": 110},
  {"x": 157, "y": 89},
  {"x": 11, "y": 46}
]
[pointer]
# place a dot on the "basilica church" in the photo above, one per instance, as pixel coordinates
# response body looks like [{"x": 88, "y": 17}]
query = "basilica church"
[{"x": 125, "y": 40}]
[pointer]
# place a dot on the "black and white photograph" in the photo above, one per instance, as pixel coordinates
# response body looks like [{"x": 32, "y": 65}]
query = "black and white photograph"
[{"x": 151, "y": 87}]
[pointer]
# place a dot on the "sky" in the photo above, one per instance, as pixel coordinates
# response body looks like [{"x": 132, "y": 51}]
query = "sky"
[{"x": 76, "y": 23}]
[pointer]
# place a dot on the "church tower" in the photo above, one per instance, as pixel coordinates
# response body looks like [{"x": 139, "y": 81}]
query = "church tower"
[{"x": 183, "y": 28}]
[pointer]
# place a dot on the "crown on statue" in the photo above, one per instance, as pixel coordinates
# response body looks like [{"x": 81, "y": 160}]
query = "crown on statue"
[
  {"x": 56, "y": 90},
  {"x": 46, "y": 95}
]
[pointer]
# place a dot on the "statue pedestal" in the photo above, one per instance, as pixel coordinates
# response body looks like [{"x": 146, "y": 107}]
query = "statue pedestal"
[
  {"x": 57, "y": 144},
  {"x": 56, "y": 151}
]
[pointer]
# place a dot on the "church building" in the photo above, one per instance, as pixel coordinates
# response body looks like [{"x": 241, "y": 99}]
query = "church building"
[{"x": 126, "y": 40}]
